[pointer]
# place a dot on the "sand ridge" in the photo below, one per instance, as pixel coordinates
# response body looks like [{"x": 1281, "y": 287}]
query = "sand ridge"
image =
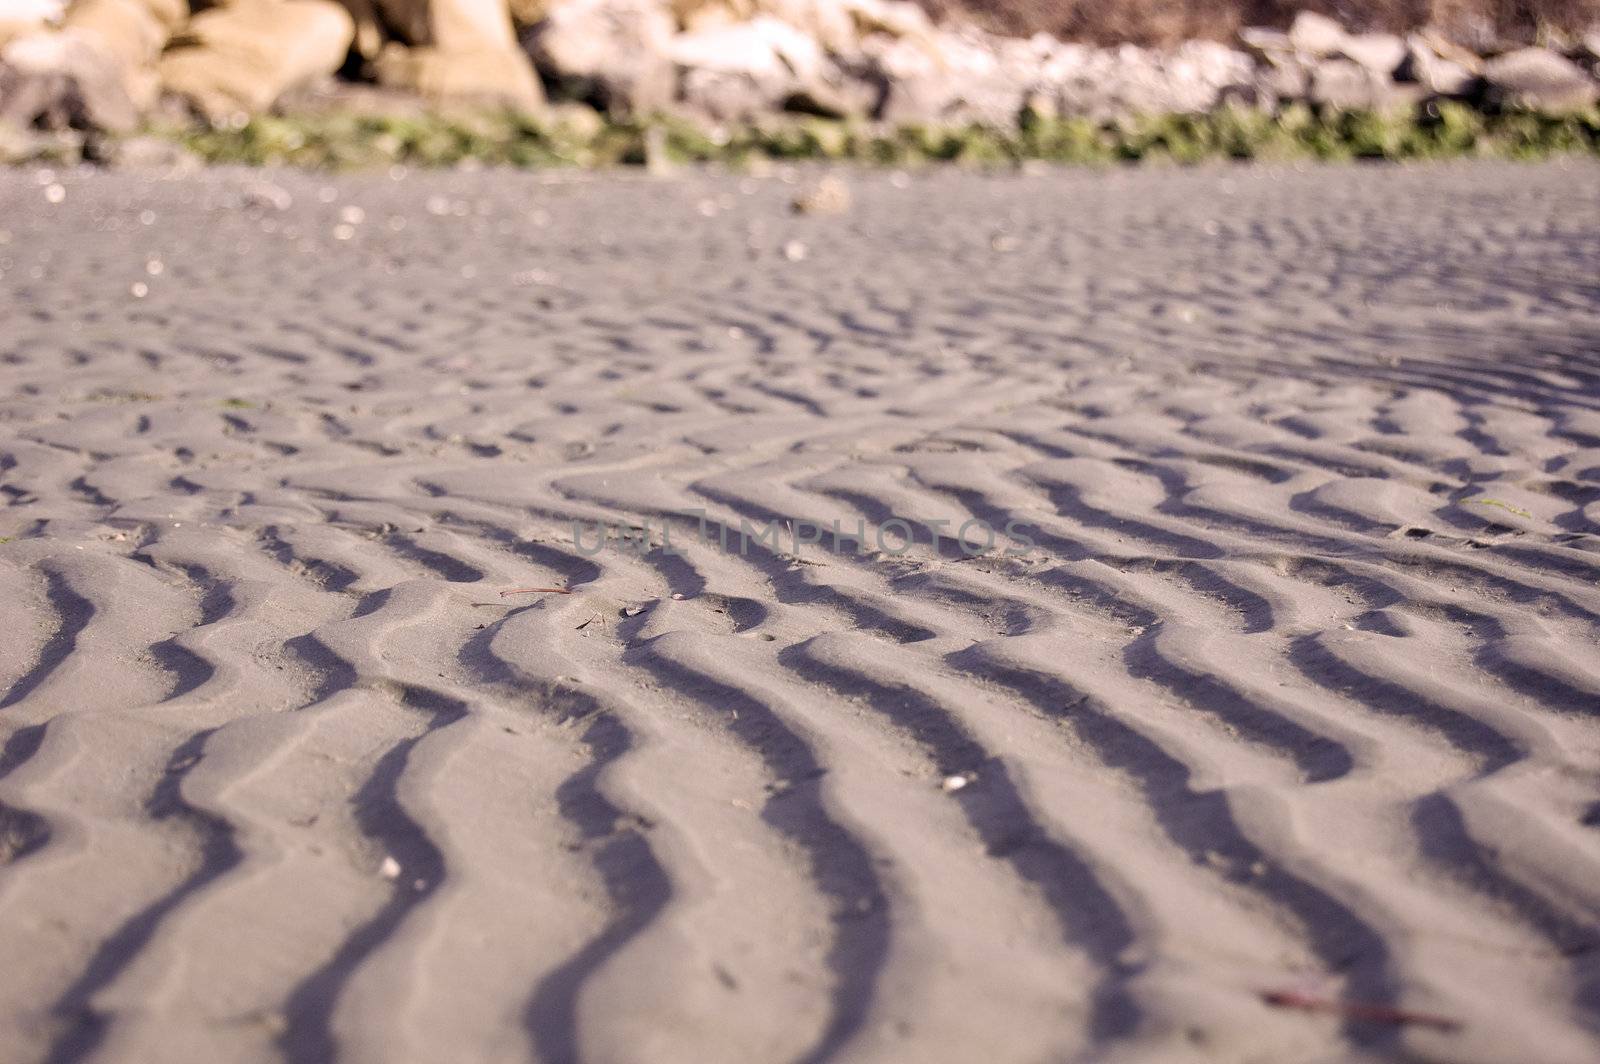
[{"x": 1293, "y": 690}]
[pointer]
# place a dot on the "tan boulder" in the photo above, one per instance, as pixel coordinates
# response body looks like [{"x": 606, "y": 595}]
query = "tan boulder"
[
  {"x": 489, "y": 75},
  {"x": 242, "y": 57},
  {"x": 528, "y": 12},
  {"x": 451, "y": 25},
  {"x": 370, "y": 33},
  {"x": 132, "y": 31},
  {"x": 459, "y": 49}
]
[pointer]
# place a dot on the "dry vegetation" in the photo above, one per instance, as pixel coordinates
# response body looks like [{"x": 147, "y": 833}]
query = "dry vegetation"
[{"x": 1161, "y": 22}]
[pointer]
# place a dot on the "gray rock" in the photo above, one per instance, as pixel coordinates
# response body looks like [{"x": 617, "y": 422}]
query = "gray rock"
[
  {"x": 1539, "y": 79},
  {"x": 1107, "y": 83},
  {"x": 614, "y": 52}
]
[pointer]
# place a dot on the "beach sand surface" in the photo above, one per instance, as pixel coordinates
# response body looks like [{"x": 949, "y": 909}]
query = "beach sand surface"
[{"x": 1266, "y": 729}]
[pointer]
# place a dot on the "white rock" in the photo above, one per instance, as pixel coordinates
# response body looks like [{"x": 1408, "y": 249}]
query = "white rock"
[
  {"x": 1315, "y": 34},
  {"x": 764, "y": 47},
  {"x": 1381, "y": 53},
  {"x": 32, "y": 11},
  {"x": 1265, "y": 41},
  {"x": 1436, "y": 74}
]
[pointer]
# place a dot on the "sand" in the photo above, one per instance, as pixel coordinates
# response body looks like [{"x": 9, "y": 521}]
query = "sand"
[{"x": 1271, "y": 734}]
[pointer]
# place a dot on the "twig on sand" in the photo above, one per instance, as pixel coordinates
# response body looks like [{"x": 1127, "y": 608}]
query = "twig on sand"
[
  {"x": 536, "y": 591},
  {"x": 1519, "y": 511},
  {"x": 1356, "y": 1010}
]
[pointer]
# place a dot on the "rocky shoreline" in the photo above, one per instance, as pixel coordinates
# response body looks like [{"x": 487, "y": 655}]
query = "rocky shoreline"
[
  {"x": 619, "y": 81},
  {"x": 886, "y": 61}
]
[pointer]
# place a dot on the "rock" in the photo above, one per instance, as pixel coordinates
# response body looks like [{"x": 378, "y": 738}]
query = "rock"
[
  {"x": 1538, "y": 79},
  {"x": 1348, "y": 86},
  {"x": 242, "y": 57},
  {"x": 525, "y": 13},
  {"x": 370, "y": 31},
  {"x": 64, "y": 80},
  {"x": 1316, "y": 35},
  {"x": 837, "y": 92},
  {"x": 914, "y": 89},
  {"x": 264, "y": 195},
  {"x": 744, "y": 70},
  {"x": 460, "y": 49},
  {"x": 1266, "y": 43},
  {"x": 489, "y": 76},
  {"x": 22, "y": 145},
  {"x": 765, "y": 48},
  {"x": 580, "y": 121},
  {"x": 828, "y": 196},
  {"x": 1286, "y": 77},
  {"x": 1102, "y": 83},
  {"x": 958, "y": 77},
  {"x": 1381, "y": 53},
  {"x": 1445, "y": 48},
  {"x": 724, "y": 97},
  {"x": 1198, "y": 74},
  {"x": 20, "y": 18},
  {"x": 134, "y": 31},
  {"x": 1435, "y": 74},
  {"x": 828, "y": 22},
  {"x": 614, "y": 53},
  {"x": 893, "y": 18}
]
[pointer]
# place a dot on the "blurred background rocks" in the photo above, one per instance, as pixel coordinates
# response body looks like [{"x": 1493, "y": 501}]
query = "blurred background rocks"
[{"x": 114, "y": 65}]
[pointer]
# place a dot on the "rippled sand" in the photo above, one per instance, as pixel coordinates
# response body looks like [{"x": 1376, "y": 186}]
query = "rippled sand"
[{"x": 1293, "y": 700}]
